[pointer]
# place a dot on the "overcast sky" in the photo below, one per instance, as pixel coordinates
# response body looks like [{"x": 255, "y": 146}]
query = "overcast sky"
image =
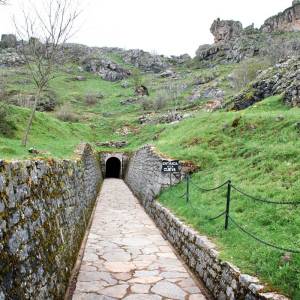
[{"x": 170, "y": 27}]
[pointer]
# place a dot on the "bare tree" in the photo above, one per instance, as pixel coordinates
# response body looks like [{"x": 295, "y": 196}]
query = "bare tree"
[{"x": 45, "y": 28}]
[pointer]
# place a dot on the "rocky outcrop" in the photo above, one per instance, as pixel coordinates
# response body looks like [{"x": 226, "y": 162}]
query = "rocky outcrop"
[
  {"x": 234, "y": 43},
  {"x": 10, "y": 58},
  {"x": 105, "y": 68},
  {"x": 286, "y": 21},
  {"x": 283, "y": 78},
  {"x": 8, "y": 41},
  {"x": 224, "y": 30},
  {"x": 146, "y": 61},
  {"x": 181, "y": 59}
]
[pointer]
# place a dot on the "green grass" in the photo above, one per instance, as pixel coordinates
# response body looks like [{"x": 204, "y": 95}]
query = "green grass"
[{"x": 261, "y": 156}]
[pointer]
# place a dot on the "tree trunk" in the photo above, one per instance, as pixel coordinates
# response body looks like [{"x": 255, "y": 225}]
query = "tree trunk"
[{"x": 25, "y": 138}]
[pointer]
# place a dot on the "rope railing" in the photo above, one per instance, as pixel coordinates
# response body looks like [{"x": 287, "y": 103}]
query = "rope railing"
[{"x": 226, "y": 212}]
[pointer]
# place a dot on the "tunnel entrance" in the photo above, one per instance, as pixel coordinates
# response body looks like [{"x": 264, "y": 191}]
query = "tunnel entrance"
[{"x": 113, "y": 168}]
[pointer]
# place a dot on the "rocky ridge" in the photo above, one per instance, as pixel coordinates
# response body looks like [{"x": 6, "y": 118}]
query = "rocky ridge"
[
  {"x": 283, "y": 79},
  {"x": 234, "y": 43}
]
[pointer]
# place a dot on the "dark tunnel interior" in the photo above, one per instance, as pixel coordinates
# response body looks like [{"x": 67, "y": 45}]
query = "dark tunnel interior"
[{"x": 113, "y": 168}]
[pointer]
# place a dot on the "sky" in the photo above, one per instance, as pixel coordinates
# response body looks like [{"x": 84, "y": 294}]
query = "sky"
[{"x": 169, "y": 27}]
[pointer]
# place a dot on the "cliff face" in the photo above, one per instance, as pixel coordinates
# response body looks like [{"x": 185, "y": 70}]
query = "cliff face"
[
  {"x": 287, "y": 21},
  {"x": 234, "y": 43}
]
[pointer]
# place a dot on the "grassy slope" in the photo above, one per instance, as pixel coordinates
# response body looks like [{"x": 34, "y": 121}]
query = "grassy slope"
[{"x": 260, "y": 156}]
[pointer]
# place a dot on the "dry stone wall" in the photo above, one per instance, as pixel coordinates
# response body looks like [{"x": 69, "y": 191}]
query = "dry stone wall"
[
  {"x": 45, "y": 206},
  {"x": 223, "y": 280},
  {"x": 144, "y": 175}
]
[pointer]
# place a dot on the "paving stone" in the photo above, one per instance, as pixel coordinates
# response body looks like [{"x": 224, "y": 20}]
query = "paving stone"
[
  {"x": 126, "y": 256},
  {"x": 197, "y": 297},
  {"x": 140, "y": 288},
  {"x": 116, "y": 291},
  {"x": 143, "y": 297},
  {"x": 170, "y": 290}
]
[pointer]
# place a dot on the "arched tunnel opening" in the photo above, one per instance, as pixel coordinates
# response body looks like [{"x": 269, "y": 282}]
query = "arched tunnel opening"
[{"x": 113, "y": 168}]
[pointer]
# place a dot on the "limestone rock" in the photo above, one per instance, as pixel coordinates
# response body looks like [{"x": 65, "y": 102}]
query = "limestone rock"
[
  {"x": 283, "y": 78},
  {"x": 286, "y": 21},
  {"x": 105, "y": 68},
  {"x": 226, "y": 30},
  {"x": 8, "y": 41},
  {"x": 168, "y": 74},
  {"x": 146, "y": 61}
]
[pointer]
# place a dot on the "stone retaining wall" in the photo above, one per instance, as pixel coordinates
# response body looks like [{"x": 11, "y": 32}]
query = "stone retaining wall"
[
  {"x": 223, "y": 280},
  {"x": 44, "y": 209},
  {"x": 144, "y": 175}
]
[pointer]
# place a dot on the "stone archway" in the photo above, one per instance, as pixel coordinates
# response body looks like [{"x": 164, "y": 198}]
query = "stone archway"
[{"x": 113, "y": 168}]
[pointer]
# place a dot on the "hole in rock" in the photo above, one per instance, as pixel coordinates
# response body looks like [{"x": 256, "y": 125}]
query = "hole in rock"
[{"x": 113, "y": 168}]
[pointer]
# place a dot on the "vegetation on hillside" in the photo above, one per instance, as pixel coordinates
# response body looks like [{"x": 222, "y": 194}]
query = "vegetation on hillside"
[{"x": 257, "y": 148}]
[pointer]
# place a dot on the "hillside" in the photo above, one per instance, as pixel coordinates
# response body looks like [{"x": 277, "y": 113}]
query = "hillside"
[{"x": 232, "y": 110}]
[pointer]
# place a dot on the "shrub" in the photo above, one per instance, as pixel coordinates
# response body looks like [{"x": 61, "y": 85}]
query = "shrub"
[
  {"x": 137, "y": 78},
  {"x": 146, "y": 103},
  {"x": 92, "y": 98},
  {"x": 65, "y": 114},
  {"x": 247, "y": 71},
  {"x": 161, "y": 100}
]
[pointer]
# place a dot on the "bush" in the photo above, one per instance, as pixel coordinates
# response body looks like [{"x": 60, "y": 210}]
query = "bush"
[
  {"x": 92, "y": 98},
  {"x": 7, "y": 127},
  {"x": 161, "y": 100},
  {"x": 146, "y": 103},
  {"x": 65, "y": 114},
  {"x": 137, "y": 78},
  {"x": 247, "y": 71}
]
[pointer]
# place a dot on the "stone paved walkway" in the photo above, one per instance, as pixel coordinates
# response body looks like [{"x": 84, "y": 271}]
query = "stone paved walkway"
[{"x": 126, "y": 257}]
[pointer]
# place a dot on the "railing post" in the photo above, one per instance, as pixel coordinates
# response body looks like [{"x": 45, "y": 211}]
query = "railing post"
[
  {"x": 187, "y": 194},
  {"x": 227, "y": 204}
]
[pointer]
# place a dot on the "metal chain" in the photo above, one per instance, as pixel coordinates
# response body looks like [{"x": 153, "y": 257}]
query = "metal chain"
[
  {"x": 264, "y": 200},
  {"x": 209, "y": 190},
  {"x": 260, "y": 240}
]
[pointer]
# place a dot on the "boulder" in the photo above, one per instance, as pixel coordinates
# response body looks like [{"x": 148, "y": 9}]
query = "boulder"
[
  {"x": 141, "y": 91},
  {"x": 105, "y": 68},
  {"x": 8, "y": 41},
  {"x": 168, "y": 74},
  {"x": 226, "y": 30}
]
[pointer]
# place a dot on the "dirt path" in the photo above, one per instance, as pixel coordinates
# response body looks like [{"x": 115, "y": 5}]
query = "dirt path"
[{"x": 126, "y": 256}]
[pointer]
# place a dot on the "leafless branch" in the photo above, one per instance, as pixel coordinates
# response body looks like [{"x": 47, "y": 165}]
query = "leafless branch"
[{"x": 45, "y": 29}]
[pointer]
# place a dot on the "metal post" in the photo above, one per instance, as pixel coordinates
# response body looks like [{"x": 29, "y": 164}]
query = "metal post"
[
  {"x": 227, "y": 204},
  {"x": 187, "y": 188}
]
